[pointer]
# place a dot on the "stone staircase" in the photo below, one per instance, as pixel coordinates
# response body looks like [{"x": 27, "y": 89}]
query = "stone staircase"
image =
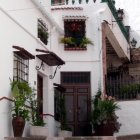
[
  {"x": 60, "y": 138},
  {"x": 127, "y": 137},
  {"x": 26, "y": 138}
]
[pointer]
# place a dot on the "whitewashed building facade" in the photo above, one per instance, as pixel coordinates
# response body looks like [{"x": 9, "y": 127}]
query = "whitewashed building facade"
[{"x": 83, "y": 69}]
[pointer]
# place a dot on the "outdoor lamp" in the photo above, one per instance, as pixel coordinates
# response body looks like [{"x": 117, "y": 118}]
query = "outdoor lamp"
[
  {"x": 133, "y": 43},
  {"x": 120, "y": 13}
]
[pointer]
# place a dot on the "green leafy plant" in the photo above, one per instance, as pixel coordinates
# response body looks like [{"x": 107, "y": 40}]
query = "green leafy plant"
[
  {"x": 36, "y": 118},
  {"x": 20, "y": 93},
  {"x": 64, "y": 126},
  {"x": 68, "y": 40},
  {"x": 43, "y": 35},
  {"x": 76, "y": 42},
  {"x": 85, "y": 41},
  {"x": 103, "y": 111}
]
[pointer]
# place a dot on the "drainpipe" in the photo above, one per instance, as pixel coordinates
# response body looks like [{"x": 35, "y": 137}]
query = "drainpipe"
[
  {"x": 47, "y": 16},
  {"x": 100, "y": 20}
]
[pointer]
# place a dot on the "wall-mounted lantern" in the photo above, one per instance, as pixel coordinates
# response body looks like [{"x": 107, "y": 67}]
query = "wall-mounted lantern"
[{"x": 133, "y": 43}]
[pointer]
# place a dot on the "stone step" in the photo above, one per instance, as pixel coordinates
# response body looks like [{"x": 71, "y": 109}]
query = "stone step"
[
  {"x": 92, "y": 138},
  {"x": 61, "y": 138},
  {"x": 26, "y": 138},
  {"x": 129, "y": 137}
]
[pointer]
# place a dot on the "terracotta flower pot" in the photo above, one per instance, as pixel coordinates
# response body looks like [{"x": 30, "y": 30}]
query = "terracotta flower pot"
[
  {"x": 105, "y": 129},
  {"x": 18, "y": 126}
]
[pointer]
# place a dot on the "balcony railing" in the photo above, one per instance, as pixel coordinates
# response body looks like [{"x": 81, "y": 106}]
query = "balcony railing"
[
  {"x": 69, "y": 2},
  {"x": 123, "y": 87},
  {"x": 120, "y": 23}
]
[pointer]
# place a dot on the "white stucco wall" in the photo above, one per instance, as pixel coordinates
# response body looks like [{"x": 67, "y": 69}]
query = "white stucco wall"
[
  {"x": 129, "y": 117},
  {"x": 25, "y": 35},
  {"x": 129, "y": 113},
  {"x": 91, "y": 59}
]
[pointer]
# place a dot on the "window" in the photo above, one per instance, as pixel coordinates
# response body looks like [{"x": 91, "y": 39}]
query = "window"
[
  {"x": 75, "y": 33},
  {"x": 21, "y": 68},
  {"x": 75, "y": 29},
  {"x": 42, "y": 31},
  {"x": 75, "y": 77}
]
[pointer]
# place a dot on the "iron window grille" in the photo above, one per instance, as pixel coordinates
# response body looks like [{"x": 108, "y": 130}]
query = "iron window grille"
[
  {"x": 75, "y": 77},
  {"x": 21, "y": 68},
  {"x": 43, "y": 31},
  {"x": 74, "y": 28}
]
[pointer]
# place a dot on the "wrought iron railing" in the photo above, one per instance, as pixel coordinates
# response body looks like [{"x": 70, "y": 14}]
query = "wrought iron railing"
[
  {"x": 120, "y": 23},
  {"x": 123, "y": 87},
  {"x": 66, "y": 2}
]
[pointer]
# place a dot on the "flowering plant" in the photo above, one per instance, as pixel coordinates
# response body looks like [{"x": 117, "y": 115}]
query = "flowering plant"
[{"x": 103, "y": 112}]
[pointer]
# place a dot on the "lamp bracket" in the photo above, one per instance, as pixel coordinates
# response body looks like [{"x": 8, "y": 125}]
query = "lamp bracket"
[
  {"x": 39, "y": 67},
  {"x": 52, "y": 76}
]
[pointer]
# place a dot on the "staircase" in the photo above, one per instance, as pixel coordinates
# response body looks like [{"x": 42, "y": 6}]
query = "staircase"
[
  {"x": 127, "y": 137},
  {"x": 61, "y": 138},
  {"x": 26, "y": 138}
]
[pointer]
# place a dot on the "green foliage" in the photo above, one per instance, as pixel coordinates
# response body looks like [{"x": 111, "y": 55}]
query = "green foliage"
[
  {"x": 129, "y": 89},
  {"x": 63, "y": 116},
  {"x": 20, "y": 92},
  {"x": 43, "y": 35},
  {"x": 85, "y": 41},
  {"x": 36, "y": 118},
  {"x": 68, "y": 40},
  {"x": 76, "y": 42},
  {"x": 103, "y": 109}
]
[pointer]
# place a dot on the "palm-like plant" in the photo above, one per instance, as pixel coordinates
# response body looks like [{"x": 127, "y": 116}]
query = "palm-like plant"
[
  {"x": 85, "y": 41},
  {"x": 20, "y": 93},
  {"x": 103, "y": 113},
  {"x": 76, "y": 42}
]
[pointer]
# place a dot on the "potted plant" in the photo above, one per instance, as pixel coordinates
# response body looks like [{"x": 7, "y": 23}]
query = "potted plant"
[
  {"x": 65, "y": 129},
  {"x": 104, "y": 119},
  {"x": 43, "y": 35},
  {"x": 20, "y": 112},
  {"x": 75, "y": 42},
  {"x": 37, "y": 127}
]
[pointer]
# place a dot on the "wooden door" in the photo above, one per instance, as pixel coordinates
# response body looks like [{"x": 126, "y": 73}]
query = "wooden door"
[
  {"x": 77, "y": 103},
  {"x": 40, "y": 93}
]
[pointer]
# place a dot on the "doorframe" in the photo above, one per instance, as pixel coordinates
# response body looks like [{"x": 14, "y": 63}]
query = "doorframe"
[{"x": 80, "y": 84}]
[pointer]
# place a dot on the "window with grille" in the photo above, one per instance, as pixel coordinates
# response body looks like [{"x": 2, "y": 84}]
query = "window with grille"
[
  {"x": 75, "y": 77},
  {"x": 75, "y": 31},
  {"x": 42, "y": 31},
  {"x": 21, "y": 68}
]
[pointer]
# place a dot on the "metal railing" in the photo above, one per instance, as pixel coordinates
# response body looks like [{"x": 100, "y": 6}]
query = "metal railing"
[
  {"x": 123, "y": 87},
  {"x": 69, "y": 2}
]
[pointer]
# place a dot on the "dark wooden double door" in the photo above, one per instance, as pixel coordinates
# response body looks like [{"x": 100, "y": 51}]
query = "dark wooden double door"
[
  {"x": 77, "y": 103},
  {"x": 78, "y": 109}
]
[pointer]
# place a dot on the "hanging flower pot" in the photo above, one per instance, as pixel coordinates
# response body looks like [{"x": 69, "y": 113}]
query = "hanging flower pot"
[{"x": 18, "y": 124}]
